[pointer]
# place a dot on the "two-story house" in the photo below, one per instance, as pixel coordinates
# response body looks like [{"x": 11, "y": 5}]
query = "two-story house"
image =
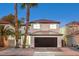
[
  {"x": 45, "y": 33},
  {"x": 42, "y": 33}
]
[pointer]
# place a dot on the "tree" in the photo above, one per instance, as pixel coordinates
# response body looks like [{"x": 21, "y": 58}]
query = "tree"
[
  {"x": 11, "y": 20},
  {"x": 4, "y": 32},
  {"x": 27, "y": 6},
  {"x": 16, "y": 25}
]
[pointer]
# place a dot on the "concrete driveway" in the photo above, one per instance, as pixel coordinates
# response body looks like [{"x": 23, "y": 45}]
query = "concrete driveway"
[
  {"x": 39, "y": 52},
  {"x": 48, "y": 52}
]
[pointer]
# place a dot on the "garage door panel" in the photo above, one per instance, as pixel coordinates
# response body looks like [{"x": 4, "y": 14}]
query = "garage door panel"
[{"x": 45, "y": 42}]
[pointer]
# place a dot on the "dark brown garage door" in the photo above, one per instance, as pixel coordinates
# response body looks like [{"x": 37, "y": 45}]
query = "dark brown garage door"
[{"x": 45, "y": 42}]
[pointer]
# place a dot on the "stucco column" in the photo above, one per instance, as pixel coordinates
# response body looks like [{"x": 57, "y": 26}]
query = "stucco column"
[
  {"x": 32, "y": 42},
  {"x": 59, "y": 43}
]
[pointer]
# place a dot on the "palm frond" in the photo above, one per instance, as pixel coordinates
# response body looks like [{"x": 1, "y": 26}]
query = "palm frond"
[
  {"x": 33, "y": 4},
  {"x": 1, "y": 27},
  {"x": 9, "y": 32},
  {"x": 23, "y": 5}
]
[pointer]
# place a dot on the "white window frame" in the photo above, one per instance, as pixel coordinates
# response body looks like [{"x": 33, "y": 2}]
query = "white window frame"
[
  {"x": 53, "y": 26},
  {"x": 36, "y": 26}
]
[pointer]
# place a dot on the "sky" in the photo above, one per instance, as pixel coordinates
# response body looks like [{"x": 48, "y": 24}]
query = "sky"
[{"x": 63, "y": 12}]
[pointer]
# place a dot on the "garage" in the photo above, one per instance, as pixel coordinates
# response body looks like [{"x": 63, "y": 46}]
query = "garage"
[{"x": 45, "y": 41}]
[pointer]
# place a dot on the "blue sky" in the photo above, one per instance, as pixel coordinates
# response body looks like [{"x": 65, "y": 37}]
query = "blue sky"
[{"x": 63, "y": 12}]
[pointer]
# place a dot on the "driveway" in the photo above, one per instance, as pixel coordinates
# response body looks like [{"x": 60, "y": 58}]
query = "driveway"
[
  {"x": 48, "y": 52},
  {"x": 39, "y": 52}
]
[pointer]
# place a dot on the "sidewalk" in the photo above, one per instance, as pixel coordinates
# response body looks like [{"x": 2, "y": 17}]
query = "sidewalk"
[
  {"x": 69, "y": 52},
  {"x": 2, "y": 48},
  {"x": 17, "y": 52}
]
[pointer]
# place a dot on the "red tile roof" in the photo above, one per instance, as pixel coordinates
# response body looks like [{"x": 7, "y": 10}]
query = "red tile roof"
[
  {"x": 4, "y": 22},
  {"x": 44, "y": 21},
  {"x": 73, "y": 23}
]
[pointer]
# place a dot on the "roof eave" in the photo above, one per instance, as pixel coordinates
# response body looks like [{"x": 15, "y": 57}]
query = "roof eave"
[
  {"x": 46, "y": 22},
  {"x": 46, "y": 34}
]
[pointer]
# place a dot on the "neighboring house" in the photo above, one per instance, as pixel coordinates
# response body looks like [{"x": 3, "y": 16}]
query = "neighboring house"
[
  {"x": 72, "y": 31},
  {"x": 45, "y": 33}
]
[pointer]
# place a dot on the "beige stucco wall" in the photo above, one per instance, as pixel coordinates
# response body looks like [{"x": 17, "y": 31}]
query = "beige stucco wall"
[
  {"x": 43, "y": 27},
  {"x": 28, "y": 42},
  {"x": 12, "y": 41}
]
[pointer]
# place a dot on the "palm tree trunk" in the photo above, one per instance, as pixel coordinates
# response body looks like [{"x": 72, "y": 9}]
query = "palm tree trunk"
[
  {"x": 27, "y": 24},
  {"x": 1, "y": 41},
  {"x": 5, "y": 40},
  {"x": 16, "y": 25}
]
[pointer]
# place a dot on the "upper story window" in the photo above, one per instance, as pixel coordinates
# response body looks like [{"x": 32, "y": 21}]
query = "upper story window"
[
  {"x": 36, "y": 26},
  {"x": 53, "y": 26}
]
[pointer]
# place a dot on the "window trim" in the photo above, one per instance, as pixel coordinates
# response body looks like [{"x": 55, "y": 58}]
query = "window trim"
[
  {"x": 36, "y": 24},
  {"x": 53, "y": 27}
]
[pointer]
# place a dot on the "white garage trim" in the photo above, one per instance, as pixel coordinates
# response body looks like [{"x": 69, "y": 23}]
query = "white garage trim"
[{"x": 59, "y": 39}]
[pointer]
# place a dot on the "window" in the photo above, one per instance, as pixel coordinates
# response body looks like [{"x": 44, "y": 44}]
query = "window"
[
  {"x": 53, "y": 26},
  {"x": 36, "y": 26}
]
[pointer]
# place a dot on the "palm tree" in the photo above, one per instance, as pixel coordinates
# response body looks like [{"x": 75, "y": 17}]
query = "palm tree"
[
  {"x": 27, "y": 6},
  {"x": 11, "y": 19},
  {"x": 1, "y": 36},
  {"x": 16, "y": 25},
  {"x": 4, "y": 32}
]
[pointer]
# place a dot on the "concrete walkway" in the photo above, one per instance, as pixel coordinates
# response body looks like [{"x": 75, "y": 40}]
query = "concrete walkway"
[{"x": 2, "y": 48}]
